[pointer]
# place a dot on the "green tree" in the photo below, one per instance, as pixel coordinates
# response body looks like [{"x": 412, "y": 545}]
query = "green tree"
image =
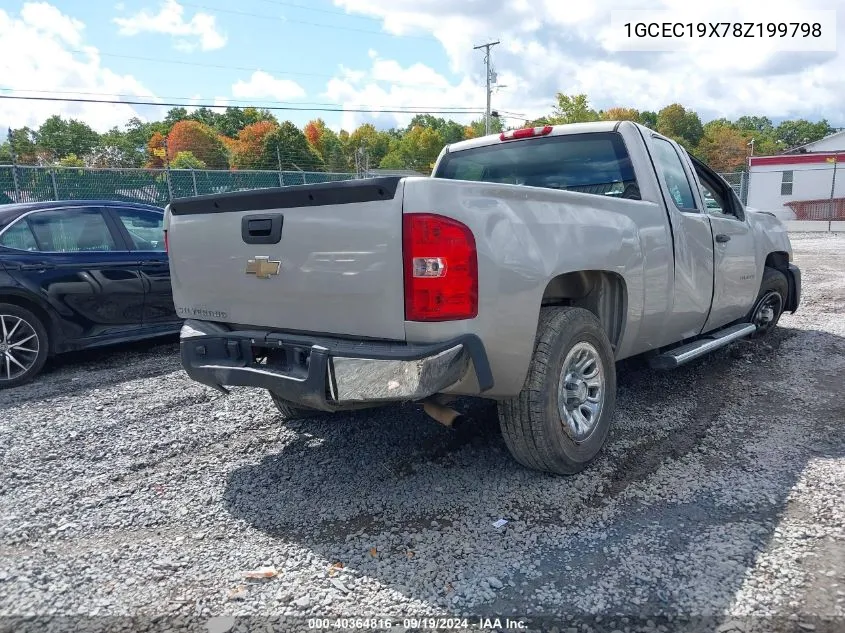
[
  {"x": 233, "y": 120},
  {"x": 476, "y": 127},
  {"x": 723, "y": 147},
  {"x": 376, "y": 143},
  {"x": 59, "y": 138},
  {"x": 794, "y": 133},
  {"x": 649, "y": 119},
  {"x": 206, "y": 116},
  {"x": 186, "y": 160},
  {"x": 621, "y": 114},
  {"x": 760, "y": 124},
  {"x": 286, "y": 147},
  {"x": 418, "y": 150},
  {"x": 137, "y": 134},
  {"x": 23, "y": 145},
  {"x": 332, "y": 152},
  {"x": 573, "y": 109},
  {"x": 680, "y": 124},
  {"x": 173, "y": 116},
  {"x": 450, "y": 131},
  {"x": 71, "y": 160}
]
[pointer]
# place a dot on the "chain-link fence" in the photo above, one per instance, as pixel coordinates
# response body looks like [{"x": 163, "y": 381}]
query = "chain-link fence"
[
  {"x": 739, "y": 181},
  {"x": 23, "y": 183},
  {"x": 153, "y": 186}
]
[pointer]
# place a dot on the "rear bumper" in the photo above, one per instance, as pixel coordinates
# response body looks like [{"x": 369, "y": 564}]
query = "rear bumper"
[
  {"x": 327, "y": 373},
  {"x": 793, "y": 277}
]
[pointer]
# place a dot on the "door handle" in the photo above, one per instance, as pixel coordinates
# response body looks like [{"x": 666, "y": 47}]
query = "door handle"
[
  {"x": 40, "y": 266},
  {"x": 722, "y": 238},
  {"x": 262, "y": 229}
]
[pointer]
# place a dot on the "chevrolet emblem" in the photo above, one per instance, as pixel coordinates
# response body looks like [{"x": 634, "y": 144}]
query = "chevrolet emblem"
[{"x": 262, "y": 267}]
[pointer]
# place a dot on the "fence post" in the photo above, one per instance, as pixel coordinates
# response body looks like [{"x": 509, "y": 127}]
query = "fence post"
[
  {"x": 14, "y": 167},
  {"x": 279, "y": 161},
  {"x": 743, "y": 187},
  {"x": 194, "y": 179},
  {"x": 55, "y": 186},
  {"x": 167, "y": 172}
]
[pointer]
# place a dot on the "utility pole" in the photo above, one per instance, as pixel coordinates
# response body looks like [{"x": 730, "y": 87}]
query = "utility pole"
[{"x": 489, "y": 74}]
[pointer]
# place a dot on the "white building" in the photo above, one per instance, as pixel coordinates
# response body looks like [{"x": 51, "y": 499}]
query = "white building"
[
  {"x": 802, "y": 177},
  {"x": 831, "y": 143}
]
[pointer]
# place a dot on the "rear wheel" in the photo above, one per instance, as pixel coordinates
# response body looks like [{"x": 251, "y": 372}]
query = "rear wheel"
[
  {"x": 290, "y": 411},
  {"x": 770, "y": 301},
  {"x": 23, "y": 345},
  {"x": 560, "y": 420}
]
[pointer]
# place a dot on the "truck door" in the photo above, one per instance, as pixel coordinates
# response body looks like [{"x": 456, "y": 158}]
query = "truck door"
[
  {"x": 735, "y": 282},
  {"x": 693, "y": 242}
]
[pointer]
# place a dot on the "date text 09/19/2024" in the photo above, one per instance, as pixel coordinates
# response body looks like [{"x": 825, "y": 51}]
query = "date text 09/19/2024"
[{"x": 417, "y": 623}]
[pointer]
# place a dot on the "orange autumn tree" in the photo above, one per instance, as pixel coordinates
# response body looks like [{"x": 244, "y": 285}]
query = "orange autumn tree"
[
  {"x": 320, "y": 137},
  {"x": 155, "y": 151},
  {"x": 199, "y": 139},
  {"x": 246, "y": 148}
]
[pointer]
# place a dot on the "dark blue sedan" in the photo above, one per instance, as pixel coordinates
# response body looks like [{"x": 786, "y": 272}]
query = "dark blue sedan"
[{"x": 79, "y": 274}]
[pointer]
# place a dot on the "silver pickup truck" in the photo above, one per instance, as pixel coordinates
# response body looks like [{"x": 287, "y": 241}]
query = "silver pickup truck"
[{"x": 521, "y": 271}]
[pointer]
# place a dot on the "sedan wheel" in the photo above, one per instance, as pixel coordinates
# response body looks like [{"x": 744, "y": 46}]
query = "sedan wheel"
[{"x": 23, "y": 345}]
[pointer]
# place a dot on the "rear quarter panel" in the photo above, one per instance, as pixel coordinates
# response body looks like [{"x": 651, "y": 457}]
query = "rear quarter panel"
[{"x": 526, "y": 236}]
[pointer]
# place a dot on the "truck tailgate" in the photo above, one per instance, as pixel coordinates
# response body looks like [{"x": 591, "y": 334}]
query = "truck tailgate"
[{"x": 323, "y": 258}]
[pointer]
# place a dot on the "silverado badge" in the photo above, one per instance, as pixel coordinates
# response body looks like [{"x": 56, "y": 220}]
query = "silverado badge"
[{"x": 262, "y": 267}]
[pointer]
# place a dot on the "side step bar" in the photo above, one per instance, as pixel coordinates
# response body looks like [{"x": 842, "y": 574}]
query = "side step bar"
[{"x": 685, "y": 353}]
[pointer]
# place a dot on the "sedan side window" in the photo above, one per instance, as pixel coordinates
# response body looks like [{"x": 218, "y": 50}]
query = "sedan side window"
[
  {"x": 72, "y": 231},
  {"x": 19, "y": 236},
  {"x": 145, "y": 228}
]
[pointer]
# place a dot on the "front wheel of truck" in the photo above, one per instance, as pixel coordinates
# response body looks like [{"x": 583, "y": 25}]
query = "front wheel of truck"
[
  {"x": 560, "y": 420},
  {"x": 291, "y": 412}
]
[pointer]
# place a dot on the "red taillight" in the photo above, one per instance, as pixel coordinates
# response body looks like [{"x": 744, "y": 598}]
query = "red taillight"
[
  {"x": 441, "y": 268},
  {"x": 166, "y": 246},
  {"x": 526, "y": 132}
]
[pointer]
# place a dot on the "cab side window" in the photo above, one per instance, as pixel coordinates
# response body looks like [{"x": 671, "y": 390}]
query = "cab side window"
[
  {"x": 676, "y": 179},
  {"x": 719, "y": 197}
]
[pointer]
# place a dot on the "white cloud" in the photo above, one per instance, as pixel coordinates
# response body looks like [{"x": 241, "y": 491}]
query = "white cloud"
[
  {"x": 262, "y": 85},
  {"x": 36, "y": 56},
  {"x": 201, "y": 30},
  {"x": 389, "y": 85},
  {"x": 48, "y": 20},
  {"x": 545, "y": 49}
]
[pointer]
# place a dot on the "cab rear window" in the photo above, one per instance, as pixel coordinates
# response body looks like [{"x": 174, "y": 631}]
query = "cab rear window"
[{"x": 596, "y": 163}]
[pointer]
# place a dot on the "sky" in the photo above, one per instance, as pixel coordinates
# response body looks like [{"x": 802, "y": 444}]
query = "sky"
[{"x": 383, "y": 54}]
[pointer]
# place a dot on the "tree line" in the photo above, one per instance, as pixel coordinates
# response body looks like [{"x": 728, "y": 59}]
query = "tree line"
[{"x": 253, "y": 138}]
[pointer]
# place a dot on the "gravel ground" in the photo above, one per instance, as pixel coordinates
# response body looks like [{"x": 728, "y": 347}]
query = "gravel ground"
[{"x": 129, "y": 490}]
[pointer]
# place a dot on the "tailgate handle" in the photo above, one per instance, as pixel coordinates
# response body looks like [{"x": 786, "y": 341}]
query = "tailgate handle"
[{"x": 262, "y": 229}]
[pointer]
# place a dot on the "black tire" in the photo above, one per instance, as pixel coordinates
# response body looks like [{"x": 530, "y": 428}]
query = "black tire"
[
  {"x": 25, "y": 321},
  {"x": 291, "y": 412},
  {"x": 533, "y": 427},
  {"x": 774, "y": 281}
]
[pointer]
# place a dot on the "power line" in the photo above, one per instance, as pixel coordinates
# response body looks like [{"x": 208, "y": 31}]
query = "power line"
[
  {"x": 213, "y": 105},
  {"x": 305, "y": 22},
  {"x": 226, "y": 102},
  {"x": 329, "y": 11}
]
